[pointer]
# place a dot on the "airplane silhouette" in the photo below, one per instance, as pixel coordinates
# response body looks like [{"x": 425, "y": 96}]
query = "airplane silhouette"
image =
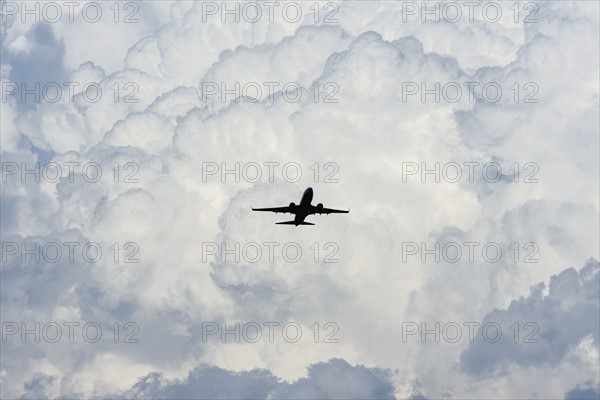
[{"x": 301, "y": 210}]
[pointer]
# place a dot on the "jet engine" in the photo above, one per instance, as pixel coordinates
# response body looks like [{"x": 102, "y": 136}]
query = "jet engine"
[
  {"x": 292, "y": 205},
  {"x": 320, "y": 207}
]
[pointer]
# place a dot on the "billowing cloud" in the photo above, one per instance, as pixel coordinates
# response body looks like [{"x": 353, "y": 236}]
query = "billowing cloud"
[
  {"x": 323, "y": 382},
  {"x": 553, "y": 324},
  {"x": 582, "y": 392},
  {"x": 180, "y": 122}
]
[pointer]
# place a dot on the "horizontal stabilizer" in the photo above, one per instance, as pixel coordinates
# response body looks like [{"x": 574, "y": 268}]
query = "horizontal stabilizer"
[{"x": 293, "y": 223}]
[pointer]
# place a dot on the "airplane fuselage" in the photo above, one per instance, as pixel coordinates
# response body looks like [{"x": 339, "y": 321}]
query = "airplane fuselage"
[
  {"x": 303, "y": 208},
  {"x": 307, "y": 197}
]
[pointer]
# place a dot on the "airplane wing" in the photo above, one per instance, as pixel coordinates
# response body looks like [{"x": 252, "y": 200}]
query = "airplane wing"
[
  {"x": 276, "y": 210},
  {"x": 323, "y": 210}
]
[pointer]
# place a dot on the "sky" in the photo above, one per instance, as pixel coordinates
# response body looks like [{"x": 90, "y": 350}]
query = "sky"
[{"x": 462, "y": 136}]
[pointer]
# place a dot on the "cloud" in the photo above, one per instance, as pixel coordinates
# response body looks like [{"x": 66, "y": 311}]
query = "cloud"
[
  {"x": 583, "y": 393},
  {"x": 324, "y": 381},
  {"x": 152, "y": 134},
  {"x": 556, "y": 323}
]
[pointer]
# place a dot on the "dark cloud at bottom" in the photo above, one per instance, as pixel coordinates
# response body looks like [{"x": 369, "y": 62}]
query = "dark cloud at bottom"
[
  {"x": 583, "y": 393},
  {"x": 334, "y": 379}
]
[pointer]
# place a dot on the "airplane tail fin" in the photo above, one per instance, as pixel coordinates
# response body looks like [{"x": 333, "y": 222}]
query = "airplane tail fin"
[{"x": 292, "y": 223}]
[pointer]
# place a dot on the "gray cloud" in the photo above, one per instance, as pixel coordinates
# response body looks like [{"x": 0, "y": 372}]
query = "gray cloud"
[
  {"x": 557, "y": 323},
  {"x": 584, "y": 392},
  {"x": 334, "y": 379}
]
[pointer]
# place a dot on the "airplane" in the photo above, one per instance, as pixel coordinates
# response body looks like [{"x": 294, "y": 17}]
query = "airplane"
[{"x": 301, "y": 210}]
